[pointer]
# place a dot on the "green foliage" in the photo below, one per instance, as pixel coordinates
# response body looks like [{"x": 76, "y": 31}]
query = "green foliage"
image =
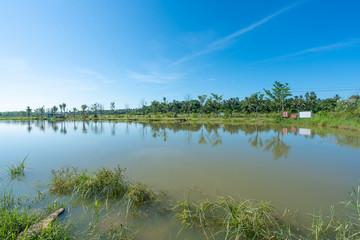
[
  {"x": 279, "y": 93},
  {"x": 279, "y": 98},
  {"x": 17, "y": 216}
]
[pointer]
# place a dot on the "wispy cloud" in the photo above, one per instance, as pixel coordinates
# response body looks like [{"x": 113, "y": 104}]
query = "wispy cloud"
[
  {"x": 90, "y": 72},
  {"x": 330, "y": 47},
  {"x": 14, "y": 66},
  {"x": 154, "y": 77},
  {"x": 223, "y": 42}
]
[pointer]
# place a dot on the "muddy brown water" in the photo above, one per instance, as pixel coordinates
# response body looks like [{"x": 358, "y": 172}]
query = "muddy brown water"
[{"x": 299, "y": 168}]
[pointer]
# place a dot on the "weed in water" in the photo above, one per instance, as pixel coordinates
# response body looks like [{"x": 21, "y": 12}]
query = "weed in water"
[
  {"x": 17, "y": 169},
  {"x": 16, "y": 217},
  {"x": 138, "y": 196},
  {"x": 85, "y": 184},
  {"x": 232, "y": 218}
]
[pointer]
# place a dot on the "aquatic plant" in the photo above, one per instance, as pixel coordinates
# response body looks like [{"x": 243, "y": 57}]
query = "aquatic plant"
[
  {"x": 138, "y": 195},
  {"x": 17, "y": 216},
  {"x": 17, "y": 169},
  {"x": 100, "y": 183},
  {"x": 234, "y": 218}
]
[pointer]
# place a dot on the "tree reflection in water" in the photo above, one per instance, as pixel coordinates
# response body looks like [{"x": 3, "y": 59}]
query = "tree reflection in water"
[{"x": 208, "y": 133}]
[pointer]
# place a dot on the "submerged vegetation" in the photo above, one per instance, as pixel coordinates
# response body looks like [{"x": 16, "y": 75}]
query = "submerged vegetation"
[
  {"x": 222, "y": 217},
  {"x": 17, "y": 169},
  {"x": 16, "y": 216},
  {"x": 103, "y": 184},
  {"x": 227, "y": 217},
  {"x": 85, "y": 184}
]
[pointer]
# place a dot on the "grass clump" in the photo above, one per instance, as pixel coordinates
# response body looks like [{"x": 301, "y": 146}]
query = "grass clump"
[
  {"x": 235, "y": 219},
  {"x": 17, "y": 169},
  {"x": 332, "y": 227},
  {"x": 17, "y": 216},
  {"x": 139, "y": 195},
  {"x": 85, "y": 184}
]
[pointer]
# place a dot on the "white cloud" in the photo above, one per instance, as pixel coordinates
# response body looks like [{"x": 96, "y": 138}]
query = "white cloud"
[
  {"x": 154, "y": 77},
  {"x": 223, "y": 42},
  {"x": 90, "y": 72},
  {"x": 314, "y": 50}
]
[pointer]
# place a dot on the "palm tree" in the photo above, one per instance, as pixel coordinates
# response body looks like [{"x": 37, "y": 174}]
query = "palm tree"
[
  {"x": 61, "y": 107},
  {"x": 202, "y": 99},
  {"x": 74, "y": 111},
  {"x": 217, "y": 102},
  {"x": 28, "y": 111},
  {"x": 42, "y": 110},
  {"x": 54, "y": 110},
  {"x": 64, "y": 106},
  {"x": 83, "y": 107}
]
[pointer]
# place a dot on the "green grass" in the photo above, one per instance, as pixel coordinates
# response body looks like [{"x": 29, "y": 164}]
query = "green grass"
[
  {"x": 219, "y": 218},
  {"x": 232, "y": 219},
  {"x": 342, "y": 120},
  {"x": 102, "y": 183},
  {"x": 226, "y": 218},
  {"x": 17, "y": 169},
  {"x": 16, "y": 215}
]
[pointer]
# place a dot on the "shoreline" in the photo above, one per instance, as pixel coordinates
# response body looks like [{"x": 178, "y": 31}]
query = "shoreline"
[{"x": 331, "y": 123}]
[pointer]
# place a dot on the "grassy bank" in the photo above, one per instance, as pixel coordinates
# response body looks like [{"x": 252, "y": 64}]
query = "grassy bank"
[{"x": 335, "y": 120}]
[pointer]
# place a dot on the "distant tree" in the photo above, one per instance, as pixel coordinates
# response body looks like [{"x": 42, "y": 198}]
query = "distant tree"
[
  {"x": 310, "y": 100},
  {"x": 83, "y": 108},
  {"x": 28, "y": 111},
  {"x": 94, "y": 109},
  {"x": 231, "y": 104},
  {"x": 254, "y": 103},
  {"x": 143, "y": 105},
  {"x": 64, "y": 107},
  {"x": 74, "y": 111},
  {"x": 126, "y": 108},
  {"x": 188, "y": 103},
  {"x": 54, "y": 110},
  {"x": 164, "y": 105},
  {"x": 61, "y": 108},
  {"x": 101, "y": 109},
  {"x": 42, "y": 111},
  {"x": 112, "y": 107},
  {"x": 155, "y": 105},
  {"x": 216, "y": 102},
  {"x": 278, "y": 94},
  {"x": 202, "y": 99}
]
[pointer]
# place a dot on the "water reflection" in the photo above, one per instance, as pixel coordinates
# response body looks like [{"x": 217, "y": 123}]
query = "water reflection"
[{"x": 263, "y": 137}]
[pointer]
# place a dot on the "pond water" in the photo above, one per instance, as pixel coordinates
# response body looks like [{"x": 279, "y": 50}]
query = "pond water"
[{"x": 298, "y": 168}]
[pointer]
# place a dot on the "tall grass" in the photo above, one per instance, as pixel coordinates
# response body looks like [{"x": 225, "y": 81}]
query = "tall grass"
[
  {"x": 17, "y": 169},
  {"x": 103, "y": 184},
  {"x": 17, "y": 216},
  {"x": 226, "y": 218},
  {"x": 233, "y": 219},
  {"x": 86, "y": 184}
]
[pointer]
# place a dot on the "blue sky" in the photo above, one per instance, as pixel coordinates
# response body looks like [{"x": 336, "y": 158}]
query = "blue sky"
[{"x": 82, "y": 52}]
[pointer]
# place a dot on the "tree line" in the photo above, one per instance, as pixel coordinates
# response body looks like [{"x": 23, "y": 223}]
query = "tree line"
[{"x": 277, "y": 99}]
